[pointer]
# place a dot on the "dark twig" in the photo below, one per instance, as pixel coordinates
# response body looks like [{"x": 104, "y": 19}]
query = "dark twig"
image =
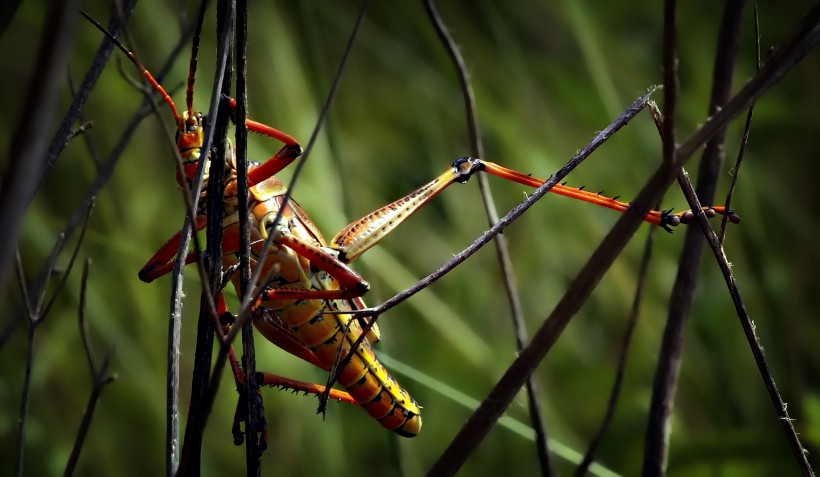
[
  {"x": 668, "y": 367},
  {"x": 333, "y": 375},
  {"x": 800, "y": 452},
  {"x": 189, "y": 203},
  {"x": 340, "y": 363},
  {"x": 89, "y": 144},
  {"x": 99, "y": 377},
  {"x": 210, "y": 273},
  {"x": 254, "y": 426},
  {"x": 249, "y": 297},
  {"x": 19, "y": 181},
  {"x": 670, "y": 78},
  {"x": 516, "y": 212},
  {"x": 634, "y": 314},
  {"x": 21, "y": 419},
  {"x": 225, "y": 20},
  {"x": 36, "y": 314},
  {"x": 505, "y": 221},
  {"x": 807, "y": 35},
  {"x": 746, "y": 128},
  {"x": 103, "y": 175},
  {"x": 79, "y": 131},
  {"x": 47, "y": 309},
  {"x": 501, "y": 247},
  {"x": 115, "y": 24}
]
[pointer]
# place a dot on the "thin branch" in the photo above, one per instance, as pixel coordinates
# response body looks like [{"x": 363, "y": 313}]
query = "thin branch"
[
  {"x": 99, "y": 377},
  {"x": 28, "y": 143},
  {"x": 634, "y": 314},
  {"x": 501, "y": 247},
  {"x": 210, "y": 274},
  {"x": 79, "y": 131},
  {"x": 89, "y": 144},
  {"x": 806, "y": 36},
  {"x": 746, "y": 128},
  {"x": 217, "y": 99},
  {"x": 338, "y": 365},
  {"x": 670, "y": 78},
  {"x": 115, "y": 24},
  {"x": 21, "y": 286},
  {"x": 668, "y": 367},
  {"x": 36, "y": 315},
  {"x": 505, "y": 221},
  {"x": 51, "y": 264},
  {"x": 24, "y": 400},
  {"x": 31, "y": 319},
  {"x": 255, "y": 425},
  {"x": 104, "y": 173},
  {"x": 516, "y": 212},
  {"x": 800, "y": 452},
  {"x": 225, "y": 21},
  {"x": 249, "y": 298},
  {"x": 47, "y": 309}
]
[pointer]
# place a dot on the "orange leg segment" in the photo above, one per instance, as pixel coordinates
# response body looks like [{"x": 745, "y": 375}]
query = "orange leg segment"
[
  {"x": 663, "y": 219},
  {"x": 359, "y": 236},
  {"x": 289, "y": 152},
  {"x": 162, "y": 261}
]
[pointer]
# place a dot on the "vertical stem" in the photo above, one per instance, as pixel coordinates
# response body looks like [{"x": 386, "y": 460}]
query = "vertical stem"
[
  {"x": 21, "y": 419},
  {"x": 502, "y": 250},
  {"x": 669, "y": 360},
  {"x": 254, "y": 430},
  {"x": 211, "y": 131}
]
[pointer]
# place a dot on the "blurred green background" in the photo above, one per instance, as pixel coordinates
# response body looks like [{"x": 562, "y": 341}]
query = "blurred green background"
[{"x": 547, "y": 76}]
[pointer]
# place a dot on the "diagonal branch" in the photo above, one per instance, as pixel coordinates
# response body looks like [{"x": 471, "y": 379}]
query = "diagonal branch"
[
  {"x": 669, "y": 360},
  {"x": 501, "y": 247},
  {"x": 806, "y": 36}
]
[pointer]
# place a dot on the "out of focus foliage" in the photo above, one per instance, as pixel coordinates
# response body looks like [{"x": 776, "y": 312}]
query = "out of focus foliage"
[{"x": 547, "y": 76}]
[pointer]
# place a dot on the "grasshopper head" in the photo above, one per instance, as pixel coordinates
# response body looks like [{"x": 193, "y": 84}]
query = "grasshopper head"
[{"x": 190, "y": 136}]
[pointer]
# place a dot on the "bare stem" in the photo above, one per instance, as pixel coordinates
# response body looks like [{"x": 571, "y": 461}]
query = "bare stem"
[
  {"x": 807, "y": 35},
  {"x": 99, "y": 377},
  {"x": 501, "y": 247},
  {"x": 666, "y": 375}
]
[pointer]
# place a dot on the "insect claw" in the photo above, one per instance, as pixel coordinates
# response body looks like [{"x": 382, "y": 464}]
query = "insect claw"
[{"x": 669, "y": 220}]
